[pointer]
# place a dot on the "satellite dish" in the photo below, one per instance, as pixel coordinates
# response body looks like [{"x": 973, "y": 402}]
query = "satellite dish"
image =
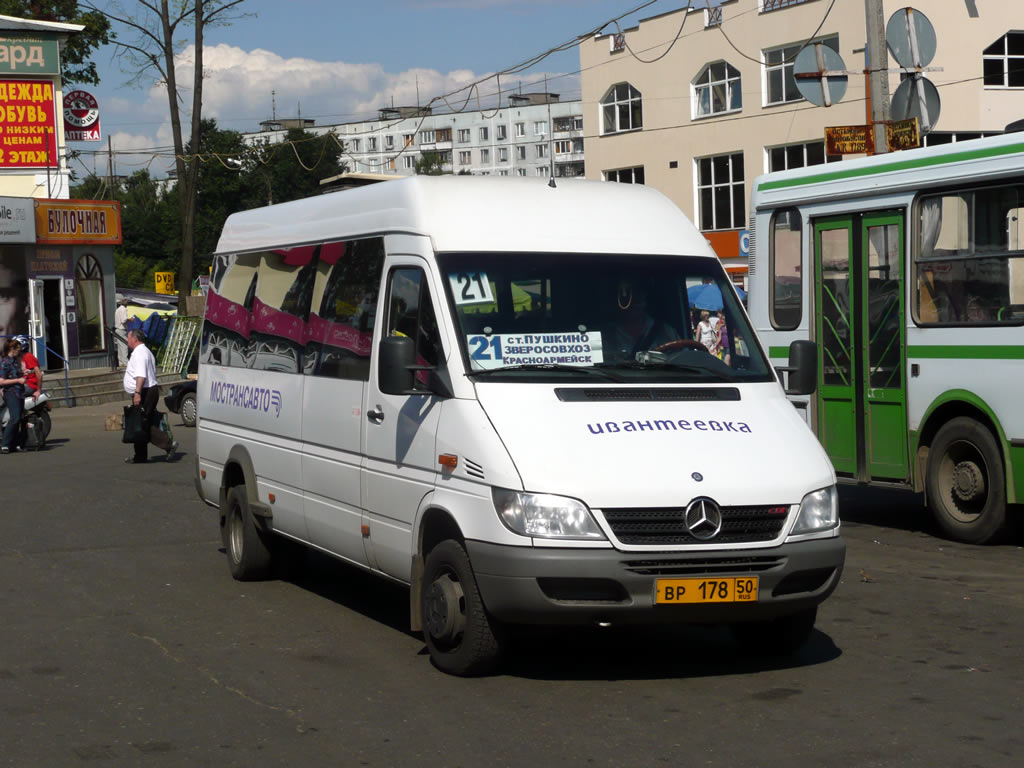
[
  {"x": 911, "y": 38},
  {"x": 917, "y": 97},
  {"x": 809, "y": 68}
]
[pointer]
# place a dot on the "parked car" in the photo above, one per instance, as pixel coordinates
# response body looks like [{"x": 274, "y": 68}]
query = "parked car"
[{"x": 182, "y": 399}]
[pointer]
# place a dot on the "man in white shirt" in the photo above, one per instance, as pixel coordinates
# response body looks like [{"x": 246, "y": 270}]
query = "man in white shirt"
[
  {"x": 140, "y": 383},
  {"x": 120, "y": 318}
]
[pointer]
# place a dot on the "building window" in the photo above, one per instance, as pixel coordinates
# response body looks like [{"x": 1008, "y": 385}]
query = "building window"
[
  {"x": 463, "y": 135},
  {"x": 371, "y": 143},
  {"x": 543, "y": 171},
  {"x": 485, "y": 156},
  {"x": 503, "y": 172},
  {"x": 389, "y": 141},
  {"x": 799, "y": 156},
  {"x": 720, "y": 192},
  {"x": 626, "y": 175},
  {"x": 717, "y": 90},
  {"x": 484, "y": 133},
  {"x": 786, "y": 301},
  {"x": 502, "y": 154},
  {"x": 774, "y": 5},
  {"x": 355, "y": 145},
  {"x": 501, "y": 132},
  {"x": 621, "y": 109},
  {"x": 521, "y": 152},
  {"x": 1004, "y": 62},
  {"x": 563, "y": 147},
  {"x": 444, "y": 134},
  {"x": 934, "y": 138},
  {"x": 89, "y": 287},
  {"x": 427, "y": 137},
  {"x": 465, "y": 157},
  {"x": 409, "y": 161},
  {"x": 408, "y": 139},
  {"x": 780, "y": 85},
  {"x": 540, "y": 127},
  {"x": 520, "y": 129},
  {"x": 542, "y": 150},
  {"x": 520, "y": 171}
]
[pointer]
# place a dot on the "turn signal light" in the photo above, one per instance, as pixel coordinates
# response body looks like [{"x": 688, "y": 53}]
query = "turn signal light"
[
  {"x": 365, "y": 530},
  {"x": 202, "y": 473},
  {"x": 272, "y": 498},
  {"x": 448, "y": 460}
]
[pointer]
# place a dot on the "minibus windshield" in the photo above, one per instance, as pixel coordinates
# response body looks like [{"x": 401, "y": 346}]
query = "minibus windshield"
[{"x": 600, "y": 317}]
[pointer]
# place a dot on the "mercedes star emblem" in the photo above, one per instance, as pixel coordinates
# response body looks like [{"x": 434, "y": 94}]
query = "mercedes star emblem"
[{"x": 703, "y": 519}]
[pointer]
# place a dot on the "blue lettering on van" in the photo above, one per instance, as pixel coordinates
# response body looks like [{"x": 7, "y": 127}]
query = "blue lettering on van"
[
  {"x": 249, "y": 398},
  {"x": 668, "y": 425}
]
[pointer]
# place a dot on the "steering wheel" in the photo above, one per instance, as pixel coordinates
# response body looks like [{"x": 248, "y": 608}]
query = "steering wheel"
[{"x": 680, "y": 344}]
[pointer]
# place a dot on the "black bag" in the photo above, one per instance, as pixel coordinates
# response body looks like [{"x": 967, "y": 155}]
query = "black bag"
[
  {"x": 35, "y": 433},
  {"x": 135, "y": 427}
]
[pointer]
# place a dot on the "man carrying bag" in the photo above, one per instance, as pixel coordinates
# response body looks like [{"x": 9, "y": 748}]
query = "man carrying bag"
[{"x": 140, "y": 382}]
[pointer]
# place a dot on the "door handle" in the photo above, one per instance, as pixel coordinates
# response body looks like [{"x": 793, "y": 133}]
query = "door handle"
[{"x": 376, "y": 415}]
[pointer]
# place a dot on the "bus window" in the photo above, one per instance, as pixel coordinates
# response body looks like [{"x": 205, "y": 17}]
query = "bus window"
[
  {"x": 969, "y": 259},
  {"x": 787, "y": 277}
]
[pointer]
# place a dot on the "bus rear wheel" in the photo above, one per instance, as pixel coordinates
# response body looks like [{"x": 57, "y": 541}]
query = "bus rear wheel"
[{"x": 966, "y": 482}]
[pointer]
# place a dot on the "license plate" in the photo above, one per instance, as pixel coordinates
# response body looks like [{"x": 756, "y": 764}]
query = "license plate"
[{"x": 738, "y": 589}]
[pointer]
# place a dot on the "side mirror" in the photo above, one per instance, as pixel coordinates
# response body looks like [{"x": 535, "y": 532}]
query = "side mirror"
[
  {"x": 803, "y": 367},
  {"x": 396, "y": 360}
]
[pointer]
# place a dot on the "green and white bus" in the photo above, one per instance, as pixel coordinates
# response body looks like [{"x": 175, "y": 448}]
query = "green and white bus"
[{"x": 907, "y": 271}]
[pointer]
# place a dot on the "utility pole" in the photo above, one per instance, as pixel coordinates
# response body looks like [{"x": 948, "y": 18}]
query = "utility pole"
[{"x": 878, "y": 103}]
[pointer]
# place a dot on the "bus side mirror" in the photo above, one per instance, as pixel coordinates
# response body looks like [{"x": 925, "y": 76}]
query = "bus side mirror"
[
  {"x": 396, "y": 360},
  {"x": 802, "y": 368}
]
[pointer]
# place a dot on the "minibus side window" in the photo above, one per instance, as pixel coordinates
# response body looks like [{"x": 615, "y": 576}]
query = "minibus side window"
[
  {"x": 229, "y": 310},
  {"x": 786, "y": 302},
  {"x": 339, "y": 330},
  {"x": 411, "y": 313}
]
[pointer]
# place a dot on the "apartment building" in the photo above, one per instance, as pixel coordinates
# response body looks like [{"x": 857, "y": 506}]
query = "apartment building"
[
  {"x": 699, "y": 103},
  {"x": 532, "y": 134}
]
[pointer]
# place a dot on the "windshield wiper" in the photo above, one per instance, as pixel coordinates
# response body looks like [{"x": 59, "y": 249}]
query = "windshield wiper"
[
  {"x": 606, "y": 375},
  {"x": 636, "y": 365}
]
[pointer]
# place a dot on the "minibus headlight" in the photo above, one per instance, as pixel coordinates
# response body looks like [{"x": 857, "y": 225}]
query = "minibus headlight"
[
  {"x": 545, "y": 516},
  {"x": 819, "y": 511}
]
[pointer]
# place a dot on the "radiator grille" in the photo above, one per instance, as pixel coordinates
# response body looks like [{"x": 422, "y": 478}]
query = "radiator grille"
[
  {"x": 690, "y": 567},
  {"x": 667, "y": 527}
]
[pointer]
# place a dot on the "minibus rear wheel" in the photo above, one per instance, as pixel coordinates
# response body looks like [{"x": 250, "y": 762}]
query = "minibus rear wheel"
[
  {"x": 782, "y": 636},
  {"x": 248, "y": 548},
  {"x": 966, "y": 483},
  {"x": 459, "y": 633}
]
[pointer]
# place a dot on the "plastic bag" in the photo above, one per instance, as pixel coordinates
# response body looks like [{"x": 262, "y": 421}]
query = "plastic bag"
[{"x": 135, "y": 428}]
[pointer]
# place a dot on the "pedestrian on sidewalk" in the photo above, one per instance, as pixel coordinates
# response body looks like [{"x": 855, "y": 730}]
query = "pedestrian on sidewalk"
[{"x": 140, "y": 383}]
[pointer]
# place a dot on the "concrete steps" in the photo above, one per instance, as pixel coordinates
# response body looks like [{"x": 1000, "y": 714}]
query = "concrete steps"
[{"x": 96, "y": 386}]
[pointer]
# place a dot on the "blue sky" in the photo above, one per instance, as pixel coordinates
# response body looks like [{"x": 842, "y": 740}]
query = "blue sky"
[{"x": 340, "y": 60}]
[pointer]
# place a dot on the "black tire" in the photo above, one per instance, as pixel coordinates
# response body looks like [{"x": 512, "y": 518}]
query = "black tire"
[
  {"x": 783, "y": 636},
  {"x": 966, "y": 482},
  {"x": 459, "y": 633},
  {"x": 189, "y": 408},
  {"x": 44, "y": 418},
  {"x": 248, "y": 548}
]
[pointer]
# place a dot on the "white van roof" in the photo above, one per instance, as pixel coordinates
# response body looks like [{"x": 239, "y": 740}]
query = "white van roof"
[{"x": 479, "y": 213}]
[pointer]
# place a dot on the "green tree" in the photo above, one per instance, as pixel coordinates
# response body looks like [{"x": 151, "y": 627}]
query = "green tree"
[
  {"x": 431, "y": 164},
  {"x": 291, "y": 169},
  {"x": 74, "y": 55}
]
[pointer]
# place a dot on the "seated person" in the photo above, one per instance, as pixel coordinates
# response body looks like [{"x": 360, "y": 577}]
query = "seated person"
[
  {"x": 30, "y": 367},
  {"x": 633, "y": 330}
]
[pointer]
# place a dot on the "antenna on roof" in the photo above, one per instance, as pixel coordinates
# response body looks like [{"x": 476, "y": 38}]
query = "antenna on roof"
[{"x": 273, "y": 105}]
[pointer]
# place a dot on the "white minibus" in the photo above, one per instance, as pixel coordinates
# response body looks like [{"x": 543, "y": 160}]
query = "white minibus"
[{"x": 493, "y": 391}]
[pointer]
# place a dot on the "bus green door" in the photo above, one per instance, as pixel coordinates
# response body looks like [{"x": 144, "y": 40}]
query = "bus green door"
[
  {"x": 860, "y": 332},
  {"x": 885, "y": 392},
  {"x": 837, "y": 413}
]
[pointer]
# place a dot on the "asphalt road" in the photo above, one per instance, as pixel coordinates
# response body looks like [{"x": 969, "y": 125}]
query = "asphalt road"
[{"x": 124, "y": 641}]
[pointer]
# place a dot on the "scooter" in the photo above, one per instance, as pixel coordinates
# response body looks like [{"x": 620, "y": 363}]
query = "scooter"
[{"x": 37, "y": 407}]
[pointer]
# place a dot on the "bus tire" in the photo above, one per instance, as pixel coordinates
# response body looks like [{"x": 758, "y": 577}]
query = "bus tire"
[
  {"x": 460, "y": 635},
  {"x": 248, "y": 548},
  {"x": 782, "y": 636},
  {"x": 189, "y": 409},
  {"x": 966, "y": 482}
]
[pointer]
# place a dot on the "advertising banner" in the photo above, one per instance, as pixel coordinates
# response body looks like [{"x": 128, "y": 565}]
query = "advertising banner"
[
  {"x": 87, "y": 222},
  {"x": 81, "y": 117},
  {"x": 28, "y": 54},
  {"x": 28, "y": 124},
  {"x": 165, "y": 282},
  {"x": 17, "y": 225}
]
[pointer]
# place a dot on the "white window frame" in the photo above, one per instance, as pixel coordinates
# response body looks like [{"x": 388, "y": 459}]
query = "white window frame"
[
  {"x": 371, "y": 144},
  {"x": 707, "y": 83},
  {"x": 521, "y": 152},
  {"x": 485, "y": 156},
  {"x": 1006, "y": 59},
  {"x": 540, "y": 128},
  {"x": 409, "y": 161},
  {"x": 543, "y": 170},
  {"x": 738, "y": 214},
  {"x": 428, "y": 137},
  {"x": 786, "y": 67},
  {"x": 484, "y": 133},
  {"x": 465, "y": 157},
  {"x": 408, "y": 139},
  {"x": 563, "y": 147},
  {"x": 464, "y": 135},
  {"x": 542, "y": 150},
  {"x": 501, "y": 131},
  {"x": 520, "y": 171},
  {"x": 613, "y": 175},
  {"x": 389, "y": 141},
  {"x": 520, "y": 130},
  {"x": 803, "y": 147},
  {"x": 617, "y": 104},
  {"x": 502, "y": 154}
]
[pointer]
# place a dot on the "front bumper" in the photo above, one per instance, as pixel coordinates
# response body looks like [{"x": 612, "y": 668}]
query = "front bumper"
[{"x": 534, "y": 585}]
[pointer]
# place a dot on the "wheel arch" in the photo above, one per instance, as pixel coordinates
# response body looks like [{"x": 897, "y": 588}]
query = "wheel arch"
[
  {"x": 238, "y": 470},
  {"x": 947, "y": 406},
  {"x": 434, "y": 525}
]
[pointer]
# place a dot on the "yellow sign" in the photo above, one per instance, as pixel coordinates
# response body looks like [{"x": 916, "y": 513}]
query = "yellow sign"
[
  {"x": 903, "y": 134},
  {"x": 849, "y": 140},
  {"x": 165, "y": 283},
  {"x": 86, "y": 222}
]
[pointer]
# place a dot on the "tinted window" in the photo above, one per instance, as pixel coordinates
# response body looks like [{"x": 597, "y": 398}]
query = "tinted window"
[{"x": 787, "y": 275}]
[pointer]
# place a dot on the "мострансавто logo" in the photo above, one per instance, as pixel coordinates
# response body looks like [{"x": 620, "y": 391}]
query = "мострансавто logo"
[{"x": 252, "y": 398}]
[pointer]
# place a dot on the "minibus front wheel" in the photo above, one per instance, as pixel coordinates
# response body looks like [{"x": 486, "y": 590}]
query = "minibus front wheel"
[
  {"x": 459, "y": 633},
  {"x": 248, "y": 550}
]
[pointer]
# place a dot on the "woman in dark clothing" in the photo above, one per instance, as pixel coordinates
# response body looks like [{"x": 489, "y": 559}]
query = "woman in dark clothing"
[{"x": 13, "y": 382}]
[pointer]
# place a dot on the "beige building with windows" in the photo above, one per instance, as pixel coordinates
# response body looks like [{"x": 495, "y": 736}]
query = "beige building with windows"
[{"x": 700, "y": 103}]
